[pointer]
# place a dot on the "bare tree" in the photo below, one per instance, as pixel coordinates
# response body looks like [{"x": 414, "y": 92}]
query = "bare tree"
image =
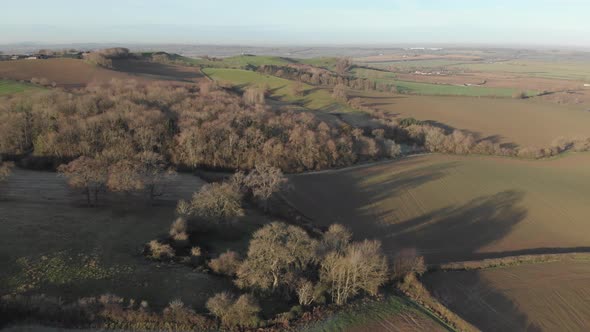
[
  {"x": 216, "y": 203},
  {"x": 361, "y": 268},
  {"x": 154, "y": 173},
  {"x": 5, "y": 169},
  {"x": 407, "y": 261},
  {"x": 254, "y": 96},
  {"x": 264, "y": 181},
  {"x": 298, "y": 89},
  {"x": 342, "y": 65},
  {"x": 339, "y": 93},
  {"x": 275, "y": 251},
  {"x": 336, "y": 239},
  {"x": 86, "y": 173}
]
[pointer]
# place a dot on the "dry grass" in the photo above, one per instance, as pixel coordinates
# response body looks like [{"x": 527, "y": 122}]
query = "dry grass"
[{"x": 414, "y": 289}]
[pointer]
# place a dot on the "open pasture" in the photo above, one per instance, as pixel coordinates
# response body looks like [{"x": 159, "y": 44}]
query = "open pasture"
[
  {"x": 52, "y": 243},
  {"x": 455, "y": 208},
  {"x": 282, "y": 89},
  {"x": 528, "y": 122},
  {"x": 532, "y": 297},
  {"x": 10, "y": 87},
  {"x": 421, "y": 88}
]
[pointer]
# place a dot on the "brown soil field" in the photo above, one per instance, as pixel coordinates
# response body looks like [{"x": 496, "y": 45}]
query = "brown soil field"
[
  {"x": 521, "y": 122},
  {"x": 75, "y": 73},
  {"x": 455, "y": 208},
  {"x": 41, "y": 217},
  {"x": 532, "y": 297}
]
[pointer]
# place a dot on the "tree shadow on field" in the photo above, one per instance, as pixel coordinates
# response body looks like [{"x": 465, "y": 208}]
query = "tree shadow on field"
[
  {"x": 476, "y": 300},
  {"x": 457, "y": 232}
]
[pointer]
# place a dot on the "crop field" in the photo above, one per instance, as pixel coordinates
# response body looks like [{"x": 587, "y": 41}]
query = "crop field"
[
  {"x": 70, "y": 73},
  {"x": 559, "y": 70},
  {"x": 532, "y": 297},
  {"x": 455, "y": 208},
  {"x": 314, "y": 98},
  {"x": 10, "y": 87},
  {"x": 52, "y": 243},
  {"x": 435, "y": 89},
  {"x": 528, "y": 122},
  {"x": 392, "y": 314}
]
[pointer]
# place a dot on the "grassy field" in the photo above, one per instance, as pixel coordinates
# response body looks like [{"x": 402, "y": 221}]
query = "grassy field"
[
  {"x": 532, "y": 297},
  {"x": 391, "y": 314},
  {"x": 435, "y": 89},
  {"x": 455, "y": 208},
  {"x": 314, "y": 98},
  {"x": 52, "y": 243},
  {"x": 534, "y": 68},
  {"x": 10, "y": 87},
  {"x": 523, "y": 122},
  {"x": 323, "y": 62},
  {"x": 426, "y": 64},
  {"x": 560, "y": 70},
  {"x": 238, "y": 61}
]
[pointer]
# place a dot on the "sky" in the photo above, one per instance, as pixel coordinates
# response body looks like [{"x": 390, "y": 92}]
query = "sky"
[{"x": 298, "y": 22}]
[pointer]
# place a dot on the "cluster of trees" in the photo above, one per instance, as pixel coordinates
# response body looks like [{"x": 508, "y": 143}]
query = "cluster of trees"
[
  {"x": 313, "y": 76},
  {"x": 104, "y": 57},
  {"x": 144, "y": 171},
  {"x": 284, "y": 261},
  {"x": 184, "y": 126}
]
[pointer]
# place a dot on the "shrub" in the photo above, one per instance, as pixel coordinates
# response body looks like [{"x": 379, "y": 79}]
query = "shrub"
[
  {"x": 196, "y": 252},
  {"x": 159, "y": 250},
  {"x": 217, "y": 203},
  {"x": 226, "y": 264},
  {"x": 407, "y": 261},
  {"x": 242, "y": 312},
  {"x": 178, "y": 230}
]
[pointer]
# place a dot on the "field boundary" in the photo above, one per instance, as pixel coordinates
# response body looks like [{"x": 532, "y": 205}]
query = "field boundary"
[{"x": 509, "y": 261}]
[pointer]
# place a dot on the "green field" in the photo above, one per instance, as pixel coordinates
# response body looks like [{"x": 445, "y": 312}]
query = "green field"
[
  {"x": 409, "y": 64},
  {"x": 10, "y": 87},
  {"x": 237, "y": 62},
  {"x": 455, "y": 208},
  {"x": 392, "y": 313},
  {"x": 559, "y": 70},
  {"x": 434, "y": 89},
  {"x": 314, "y": 98},
  {"x": 323, "y": 62}
]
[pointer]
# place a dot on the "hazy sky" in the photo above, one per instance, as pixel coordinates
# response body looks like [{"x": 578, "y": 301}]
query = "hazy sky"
[{"x": 545, "y": 22}]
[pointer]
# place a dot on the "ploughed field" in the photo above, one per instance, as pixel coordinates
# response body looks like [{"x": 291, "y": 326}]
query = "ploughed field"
[
  {"x": 522, "y": 122},
  {"x": 52, "y": 243},
  {"x": 76, "y": 73},
  {"x": 532, "y": 297},
  {"x": 454, "y": 208}
]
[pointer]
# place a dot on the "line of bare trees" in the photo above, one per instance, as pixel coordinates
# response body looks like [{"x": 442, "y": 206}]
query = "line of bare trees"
[{"x": 425, "y": 137}]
